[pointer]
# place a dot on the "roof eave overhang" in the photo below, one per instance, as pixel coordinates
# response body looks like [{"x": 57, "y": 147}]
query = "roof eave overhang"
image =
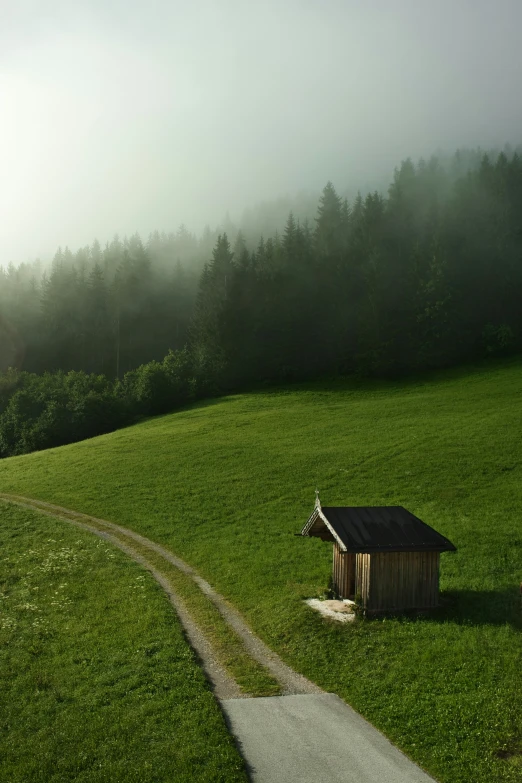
[
  {"x": 369, "y": 550},
  {"x": 318, "y": 514}
]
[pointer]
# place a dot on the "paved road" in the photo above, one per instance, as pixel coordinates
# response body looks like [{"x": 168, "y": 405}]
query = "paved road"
[{"x": 314, "y": 738}]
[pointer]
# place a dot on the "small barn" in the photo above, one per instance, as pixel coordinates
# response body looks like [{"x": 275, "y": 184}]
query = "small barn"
[{"x": 384, "y": 554}]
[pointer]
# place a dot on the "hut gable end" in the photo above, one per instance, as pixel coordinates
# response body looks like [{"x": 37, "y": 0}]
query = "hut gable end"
[{"x": 318, "y": 526}]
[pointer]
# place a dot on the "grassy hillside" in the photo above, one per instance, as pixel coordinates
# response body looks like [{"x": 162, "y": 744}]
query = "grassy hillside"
[
  {"x": 97, "y": 681},
  {"x": 227, "y": 484}
]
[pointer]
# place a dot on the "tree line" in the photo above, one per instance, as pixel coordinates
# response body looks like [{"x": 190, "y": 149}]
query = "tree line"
[
  {"x": 427, "y": 276},
  {"x": 105, "y": 310}
]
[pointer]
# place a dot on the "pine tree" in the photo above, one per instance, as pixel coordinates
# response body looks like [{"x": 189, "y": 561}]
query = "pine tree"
[
  {"x": 329, "y": 222},
  {"x": 289, "y": 241},
  {"x": 99, "y": 328},
  {"x": 214, "y": 291},
  {"x": 239, "y": 246}
]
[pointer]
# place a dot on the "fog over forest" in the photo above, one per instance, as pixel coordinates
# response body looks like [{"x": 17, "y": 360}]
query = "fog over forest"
[{"x": 120, "y": 117}]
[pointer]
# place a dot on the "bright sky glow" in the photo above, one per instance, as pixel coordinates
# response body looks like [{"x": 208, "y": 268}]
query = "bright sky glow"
[{"x": 122, "y": 116}]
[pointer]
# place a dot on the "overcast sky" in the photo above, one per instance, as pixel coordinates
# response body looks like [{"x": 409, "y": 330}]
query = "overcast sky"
[{"x": 119, "y": 115}]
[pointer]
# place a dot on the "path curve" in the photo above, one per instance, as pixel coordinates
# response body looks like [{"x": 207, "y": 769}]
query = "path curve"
[
  {"x": 222, "y": 684},
  {"x": 290, "y": 681}
]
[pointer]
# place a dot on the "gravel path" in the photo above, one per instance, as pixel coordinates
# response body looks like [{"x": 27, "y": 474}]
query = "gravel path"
[
  {"x": 291, "y": 682},
  {"x": 222, "y": 684}
]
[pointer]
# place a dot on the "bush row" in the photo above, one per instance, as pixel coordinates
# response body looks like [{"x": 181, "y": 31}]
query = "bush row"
[{"x": 41, "y": 411}]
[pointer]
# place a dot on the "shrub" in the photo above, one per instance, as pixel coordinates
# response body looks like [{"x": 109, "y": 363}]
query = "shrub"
[{"x": 40, "y": 411}]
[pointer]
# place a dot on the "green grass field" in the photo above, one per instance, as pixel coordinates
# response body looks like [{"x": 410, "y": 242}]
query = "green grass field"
[
  {"x": 97, "y": 682},
  {"x": 227, "y": 484}
]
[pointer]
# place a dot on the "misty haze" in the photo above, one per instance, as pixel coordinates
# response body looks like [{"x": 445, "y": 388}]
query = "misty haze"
[{"x": 119, "y": 117}]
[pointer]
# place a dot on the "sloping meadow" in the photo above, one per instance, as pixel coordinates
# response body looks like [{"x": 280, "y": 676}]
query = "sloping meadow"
[{"x": 227, "y": 484}]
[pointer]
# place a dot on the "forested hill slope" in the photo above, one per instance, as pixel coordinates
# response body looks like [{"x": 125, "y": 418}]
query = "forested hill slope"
[
  {"x": 429, "y": 276},
  {"x": 226, "y": 485},
  {"x": 423, "y": 276}
]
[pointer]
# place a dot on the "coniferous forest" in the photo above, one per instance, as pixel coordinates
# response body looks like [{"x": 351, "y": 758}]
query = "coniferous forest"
[{"x": 429, "y": 275}]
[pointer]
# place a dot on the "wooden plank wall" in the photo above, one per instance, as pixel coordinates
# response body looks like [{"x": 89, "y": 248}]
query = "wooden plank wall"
[
  {"x": 362, "y": 584},
  {"x": 343, "y": 572},
  {"x": 401, "y": 580}
]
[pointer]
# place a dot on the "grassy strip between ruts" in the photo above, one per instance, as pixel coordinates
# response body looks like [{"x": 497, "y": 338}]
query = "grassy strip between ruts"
[
  {"x": 251, "y": 676},
  {"x": 225, "y": 485},
  {"x": 98, "y": 684}
]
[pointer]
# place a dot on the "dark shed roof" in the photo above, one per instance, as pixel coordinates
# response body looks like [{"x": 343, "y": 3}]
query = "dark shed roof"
[{"x": 376, "y": 529}]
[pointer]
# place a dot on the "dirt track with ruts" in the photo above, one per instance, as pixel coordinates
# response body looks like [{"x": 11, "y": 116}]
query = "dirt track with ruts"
[{"x": 303, "y": 736}]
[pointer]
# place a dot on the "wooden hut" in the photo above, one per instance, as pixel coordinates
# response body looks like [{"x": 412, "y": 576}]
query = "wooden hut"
[{"x": 384, "y": 554}]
